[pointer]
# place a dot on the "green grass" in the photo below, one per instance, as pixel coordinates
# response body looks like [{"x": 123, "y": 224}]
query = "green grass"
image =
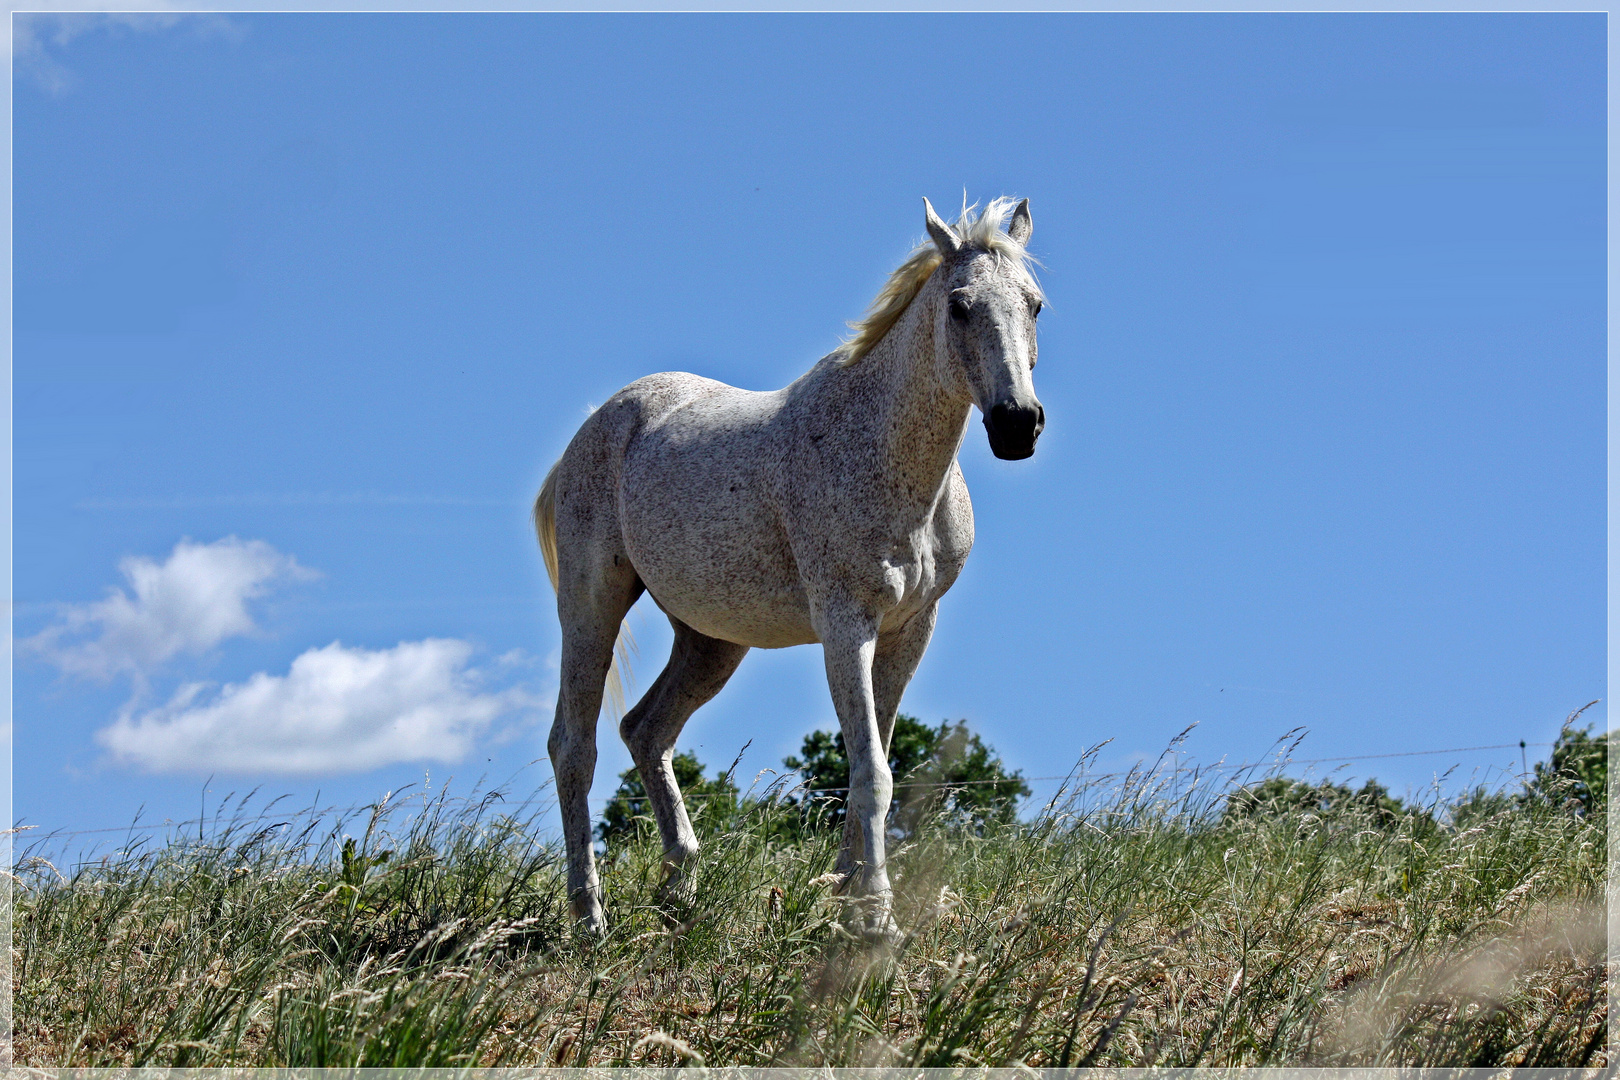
[{"x": 1127, "y": 924}]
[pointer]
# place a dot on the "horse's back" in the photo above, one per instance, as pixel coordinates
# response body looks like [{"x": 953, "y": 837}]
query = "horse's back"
[
  {"x": 628, "y": 418},
  {"x": 690, "y": 466}
]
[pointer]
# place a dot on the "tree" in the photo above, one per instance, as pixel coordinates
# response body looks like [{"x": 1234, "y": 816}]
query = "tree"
[
  {"x": 1577, "y": 777},
  {"x": 947, "y": 769},
  {"x": 629, "y": 811}
]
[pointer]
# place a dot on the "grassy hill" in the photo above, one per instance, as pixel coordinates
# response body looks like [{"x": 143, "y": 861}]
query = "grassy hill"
[{"x": 1170, "y": 919}]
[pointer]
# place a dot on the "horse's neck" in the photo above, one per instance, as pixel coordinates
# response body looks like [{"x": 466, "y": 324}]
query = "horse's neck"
[{"x": 915, "y": 422}]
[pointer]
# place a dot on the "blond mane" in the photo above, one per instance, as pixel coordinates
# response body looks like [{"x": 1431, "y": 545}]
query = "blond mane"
[{"x": 983, "y": 231}]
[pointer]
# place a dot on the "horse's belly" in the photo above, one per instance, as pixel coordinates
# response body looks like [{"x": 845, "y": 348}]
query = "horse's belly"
[
  {"x": 756, "y": 623},
  {"x": 718, "y": 590},
  {"x": 714, "y": 557}
]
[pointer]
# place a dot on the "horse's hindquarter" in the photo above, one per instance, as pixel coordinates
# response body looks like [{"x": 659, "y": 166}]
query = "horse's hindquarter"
[{"x": 699, "y": 518}]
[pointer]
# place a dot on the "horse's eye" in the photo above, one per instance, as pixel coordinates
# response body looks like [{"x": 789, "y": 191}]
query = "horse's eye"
[
  {"x": 959, "y": 309},
  {"x": 1037, "y": 312}
]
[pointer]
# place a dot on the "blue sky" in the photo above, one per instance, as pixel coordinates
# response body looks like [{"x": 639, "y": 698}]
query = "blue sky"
[{"x": 305, "y": 305}]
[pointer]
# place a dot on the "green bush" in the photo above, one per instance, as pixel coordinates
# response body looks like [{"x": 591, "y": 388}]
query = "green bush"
[
  {"x": 1577, "y": 777},
  {"x": 629, "y": 811},
  {"x": 945, "y": 770},
  {"x": 1276, "y": 795}
]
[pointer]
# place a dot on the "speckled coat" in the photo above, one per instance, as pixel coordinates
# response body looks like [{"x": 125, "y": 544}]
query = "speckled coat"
[{"x": 830, "y": 511}]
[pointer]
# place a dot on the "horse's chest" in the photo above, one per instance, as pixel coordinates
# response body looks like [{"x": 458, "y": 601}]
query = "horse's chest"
[
  {"x": 909, "y": 569},
  {"x": 917, "y": 572},
  {"x": 911, "y": 581}
]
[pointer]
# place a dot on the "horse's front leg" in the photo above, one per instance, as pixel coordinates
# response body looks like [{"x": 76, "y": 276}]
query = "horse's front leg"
[
  {"x": 849, "y": 644},
  {"x": 894, "y": 662}
]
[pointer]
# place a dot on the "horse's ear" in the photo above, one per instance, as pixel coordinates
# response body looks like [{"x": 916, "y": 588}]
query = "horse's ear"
[
  {"x": 1021, "y": 226},
  {"x": 944, "y": 239}
]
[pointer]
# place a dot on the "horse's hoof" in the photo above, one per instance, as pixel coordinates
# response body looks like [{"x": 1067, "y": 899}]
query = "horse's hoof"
[
  {"x": 591, "y": 926},
  {"x": 871, "y": 920},
  {"x": 679, "y": 888},
  {"x": 885, "y": 932}
]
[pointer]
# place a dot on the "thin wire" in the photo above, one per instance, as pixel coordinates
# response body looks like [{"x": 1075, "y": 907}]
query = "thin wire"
[
  {"x": 823, "y": 791},
  {"x": 1419, "y": 753}
]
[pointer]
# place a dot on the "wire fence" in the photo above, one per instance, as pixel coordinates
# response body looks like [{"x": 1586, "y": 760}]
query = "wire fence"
[{"x": 342, "y": 813}]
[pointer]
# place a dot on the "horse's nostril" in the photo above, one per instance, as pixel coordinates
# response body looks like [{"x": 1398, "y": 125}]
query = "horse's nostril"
[{"x": 1014, "y": 421}]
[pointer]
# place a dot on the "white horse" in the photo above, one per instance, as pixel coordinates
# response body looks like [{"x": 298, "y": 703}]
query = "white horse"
[{"x": 830, "y": 511}]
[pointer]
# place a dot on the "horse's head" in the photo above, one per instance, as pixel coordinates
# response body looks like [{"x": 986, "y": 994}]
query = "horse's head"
[{"x": 984, "y": 328}]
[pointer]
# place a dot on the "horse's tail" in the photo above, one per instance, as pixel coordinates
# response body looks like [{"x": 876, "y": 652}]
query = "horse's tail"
[
  {"x": 545, "y": 523},
  {"x": 545, "y": 530}
]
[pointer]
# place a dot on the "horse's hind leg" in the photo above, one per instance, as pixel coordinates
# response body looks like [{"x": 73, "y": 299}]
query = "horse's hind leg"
[
  {"x": 698, "y": 667},
  {"x": 595, "y": 591}
]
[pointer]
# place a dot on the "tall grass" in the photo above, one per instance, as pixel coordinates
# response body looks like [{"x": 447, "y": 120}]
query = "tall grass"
[{"x": 1127, "y": 923}]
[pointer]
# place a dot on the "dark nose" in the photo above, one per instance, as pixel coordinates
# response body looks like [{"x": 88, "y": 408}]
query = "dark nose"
[{"x": 1014, "y": 428}]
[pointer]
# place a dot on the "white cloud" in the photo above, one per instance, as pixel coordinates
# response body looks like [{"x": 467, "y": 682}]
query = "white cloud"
[
  {"x": 35, "y": 35},
  {"x": 336, "y": 710},
  {"x": 189, "y": 604}
]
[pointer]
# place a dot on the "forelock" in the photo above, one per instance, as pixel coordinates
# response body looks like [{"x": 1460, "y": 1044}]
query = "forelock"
[
  {"x": 987, "y": 232},
  {"x": 983, "y": 231}
]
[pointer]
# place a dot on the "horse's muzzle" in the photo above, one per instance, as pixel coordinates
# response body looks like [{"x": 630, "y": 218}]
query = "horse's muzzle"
[{"x": 1013, "y": 429}]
